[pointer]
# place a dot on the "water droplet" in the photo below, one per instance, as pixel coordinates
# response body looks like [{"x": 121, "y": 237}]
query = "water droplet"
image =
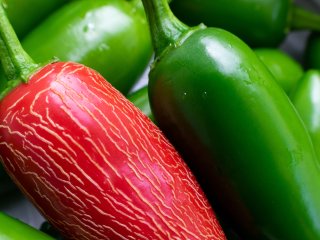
[
  {"x": 184, "y": 95},
  {"x": 296, "y": 157},
  {"x": 103, "y": 47},
  {"x": 204, "y": 94},
  {"x": 89, "y": 27}
]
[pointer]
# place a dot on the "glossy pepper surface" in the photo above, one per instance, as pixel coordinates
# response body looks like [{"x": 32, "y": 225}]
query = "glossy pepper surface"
[
  {"x": 14, "y": 229},
  {"x": 286, "y": 70},
  {"x": 258, "y": 23},
  {"x": 26, "y": 14},
  {"x": 110, "y": 36},
  {"x": 140, "y": 99},
  {"x": 236, "y": 129},
  {"x": 92, "y": 163},
  {"x": 306, "y": 99},
  {"x": 107, "y": 35}
]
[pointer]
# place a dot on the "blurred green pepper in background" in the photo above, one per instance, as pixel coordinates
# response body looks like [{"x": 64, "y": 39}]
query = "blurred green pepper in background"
[
  {"x": 286, "y": 70},
  {"x": 259, "y": 23},
  {"x": 14, "y": 229},
  {"x": 110, "y": 36},
  {"x": 306, "y": 99},
  {"x": 140, "y": 99},
  {"x": 24, "y": 15}
]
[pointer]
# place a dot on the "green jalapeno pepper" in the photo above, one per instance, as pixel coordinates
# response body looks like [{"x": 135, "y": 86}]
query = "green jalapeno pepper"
[
  {"x": 286, "y": 70},
  {"x": 235, "y": 127},
  {"x": 89, "y": 160},
  {"x": 26, "y": 14},
  {"x": 258, "y": 23},
  {"x": 14, "y": 229},
  {"x": 110, "y": 36},
  {"x": 306, "y": 99}
]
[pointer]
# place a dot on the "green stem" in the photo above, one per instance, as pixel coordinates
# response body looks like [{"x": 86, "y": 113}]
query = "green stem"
[
  {"x": 304, "y": 19},
  {"x": 16, "y": 63},
  {"x": 6, "y": 62},
  {"x": 165, "y": 28}
]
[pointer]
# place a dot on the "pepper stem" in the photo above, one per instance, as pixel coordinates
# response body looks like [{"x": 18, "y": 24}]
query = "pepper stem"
[
  {"x": 17, "y": 64},
  {"x": 165, "y": 28},
  {"x": 304, "y": 19}
]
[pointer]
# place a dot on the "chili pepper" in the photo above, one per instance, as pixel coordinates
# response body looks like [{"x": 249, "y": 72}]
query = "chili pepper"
[
  {"x": 235, "y": 127},
  {"x": 312, "y": 50},
  {"x": 120, "y": 48},
  {"x": 91, "y": 162},
  {"x": 140, "y": 99},
  {"x": 14, "y": 229},
  {"x": 110, "y": 36},
  {"x": 307, "y": 102},
  {"x": 259, "y": 23},
  {"x": 286, "y": 70},
  {"x": 24, "y": 15}
]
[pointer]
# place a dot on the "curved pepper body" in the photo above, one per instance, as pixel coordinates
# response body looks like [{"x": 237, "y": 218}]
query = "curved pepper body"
[
  {"x": 13, "y": 229},
  {"x": 239, "y": 133},
  {"x": 24, "y": 15},
  {"x": 258, "y": 23},
  {"x": 94, "y": 165},
  {"x": 306, "y": 100},
  {"x": 140, "y": 99},
  {"x": 286, "y": 71},
  {"x": 107, "y": 35},
  {"x": 110, "y": 36}
]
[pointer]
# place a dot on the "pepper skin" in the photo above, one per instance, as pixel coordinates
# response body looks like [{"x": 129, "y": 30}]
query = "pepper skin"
[
  {"x": 284, "y": 68},
  {"x": 24, "y": 15},
  {"x": 306, "y": 100},
  {"x": 258, "y": 23},
  {"x": 14, "y": 229},
  {"x": 94, "y": 165},
  {"x": 110, "y": 36},
  {"x": 140, "y": 99},
  {"x": 286, "y": 71},
  {"x": 236, "y": 129}
]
